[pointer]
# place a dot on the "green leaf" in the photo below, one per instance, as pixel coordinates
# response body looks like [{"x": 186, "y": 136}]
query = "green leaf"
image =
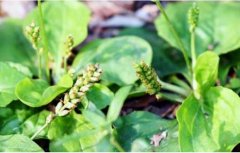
[
  {"x": 34, "y": 123},
  {"x": 135, "y": 130},
  {"x": 116, "y": 57},
  {"x": 83, "y": 141},
  {"x": 87, "y": 53},
  {"x": 60, "y": 20},
  {"x": 36, "y": 93},
  {"x": 214, "y": 30},
  {"x": 18, "y": 143},
  {"x": 94, "y": 116},
  {"x": 117, "y": 103},
  {"x": 226, "y": 62},
  {"x": 205, "y": 71},
  {"x": 234, "y": 83},
  {"x": 14, "y": 46},
  {"x": 13, "y": 116},
  {"x": 95, "y": 119},
  {"x": 21, "y": 68},
  {"x": 30, "y": 91},
  {"x": 9, "y": 77},
  {"x": 210, "y": 124},
  {"x": 100, "y": 95},
  {"x": 171, "y": 59},
  {"x": 72, "y": 133}
]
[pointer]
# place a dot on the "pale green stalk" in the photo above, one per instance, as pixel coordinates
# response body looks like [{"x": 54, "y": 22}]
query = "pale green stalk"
[
  {"x": 45, "y": 52},
  {"x": 175, "y": 34}
]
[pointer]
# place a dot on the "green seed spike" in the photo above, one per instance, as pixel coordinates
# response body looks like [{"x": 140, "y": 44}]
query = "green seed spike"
[
  {"x": 148, "y": 77},
  {"x": 32, "y": 31},
  {"x": 69, "y": 44},
  {"x": 193, "y": 15}
]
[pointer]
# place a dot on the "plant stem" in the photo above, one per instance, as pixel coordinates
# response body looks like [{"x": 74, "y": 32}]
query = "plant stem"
[
  {"x": 193, "y": 51},
  {"x": 45, "y": 54},
  {"x": 49, "y": 119},
  {"x": 39, "y": 131},
  {"x": 170, "y": 97},
  {"x": 181, "y": 83},
  {"x": 173, "y": 88},
  {"x": 39, "y": 63},
  {"x": 65, "y": 64},
  {"x": 177, "y": 38}
]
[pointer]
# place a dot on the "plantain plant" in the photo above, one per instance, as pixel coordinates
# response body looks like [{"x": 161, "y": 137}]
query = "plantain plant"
[{"x": 74, "y": 100}]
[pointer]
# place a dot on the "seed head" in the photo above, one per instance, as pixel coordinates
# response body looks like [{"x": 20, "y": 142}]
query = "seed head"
[
  {"x": 32, "y": 31},
  {"x": 69, "y": 43},
  {"x": 193, "y": 15},
  {"x": 75, "y": 95},
  {"x": 148, "y": 77}
]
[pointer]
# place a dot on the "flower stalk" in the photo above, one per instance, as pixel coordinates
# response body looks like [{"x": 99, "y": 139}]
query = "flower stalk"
[
  {"x": 45, "y": 41},
  {"x": 193, "y": 15},
  {"x": 175, "y": 34}
]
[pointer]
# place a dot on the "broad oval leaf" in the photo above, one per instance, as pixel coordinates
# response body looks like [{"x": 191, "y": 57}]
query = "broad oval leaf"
[
  {"x": 18, "y": 143},
  {"x": 9, "y": 77},
  {"x": 215, "y": 27},
  {"x": 210, "y": 124},
  {"x": 100, "y": 95},
  {"x": 116, "y": 57},
  {"x": 36, "y": 93}
]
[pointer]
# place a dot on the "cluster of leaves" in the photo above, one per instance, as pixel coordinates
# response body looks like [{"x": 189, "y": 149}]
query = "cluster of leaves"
[{"x": 206, "y": 121}]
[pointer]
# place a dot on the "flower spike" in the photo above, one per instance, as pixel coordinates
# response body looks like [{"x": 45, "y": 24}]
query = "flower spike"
[{"x": 148, "y": 77}]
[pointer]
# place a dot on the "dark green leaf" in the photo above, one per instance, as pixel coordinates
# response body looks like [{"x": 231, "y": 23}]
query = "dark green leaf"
[
  {"x": 13, "y": 116},
  {"x": 136, "y": 129},
  {"x": 100, "y": 95}
]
